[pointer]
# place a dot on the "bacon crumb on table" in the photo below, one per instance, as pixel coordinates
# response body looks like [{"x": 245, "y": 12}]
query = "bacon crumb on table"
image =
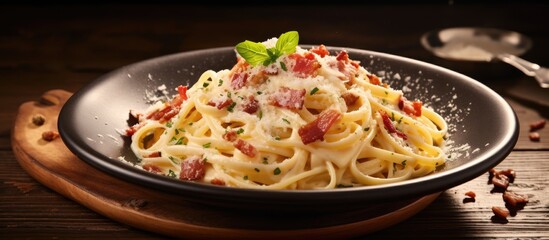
[
  {"x": 50, "y": 135},
  {"x": 534, "y": 136},
  {"x": 514, "y": 199},
  {"x": 500, "y": 212},
  {"x": 537, "y": 125},
  {"x": 471, "y": 194},
  {"x": 38, "y": 119}
]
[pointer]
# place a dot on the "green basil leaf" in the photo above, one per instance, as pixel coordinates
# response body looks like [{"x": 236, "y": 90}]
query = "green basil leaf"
[
  {"x": 287, "y": 42},
  {"x": 254, "y": 53}
]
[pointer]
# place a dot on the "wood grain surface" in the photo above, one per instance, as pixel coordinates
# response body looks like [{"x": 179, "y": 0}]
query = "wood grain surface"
[{"x": 58, "y": 46}]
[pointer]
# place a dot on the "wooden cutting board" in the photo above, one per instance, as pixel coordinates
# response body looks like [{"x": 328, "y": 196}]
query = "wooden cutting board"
[{"x": 52, "y": 164}]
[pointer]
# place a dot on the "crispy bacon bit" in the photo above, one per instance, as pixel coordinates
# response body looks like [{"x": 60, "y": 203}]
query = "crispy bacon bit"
[
  {"x": 471, "y": 194},
  {"x": 342, "y": 56},
  {"x": 239, "y": 80},
  {"x": 217, "y": 181},
  {"x": 509, "y": 173},
  {"x": 170, "y": 109},
  {"x": 321, "y": 50},
  {"x": 374, "y": 79},
  {"x": 152, "y": 168},
  {"x": 515, "y": 199},
  {"x": 154, "y": 154},
  {"x": 500, "y": 181},
  {"x": 500, "y": 212},
  {"x": 251, "y": 105},
  {"x": 50, "y": 135},
  {"x": 534, "y": 136},
  {"x": 192, "y": 168},
  {"x": 350, "y": 99},
  {"x": 316, "y": 129},
  {"x": 182, "y": 90},
  {"x": 230, "y": 136},
  {"x": 220, "y": 103},
  {"x": 346, "y": 66},
  {"x": 305, "y": 66},
  {"x": 537, "y": 125},
  {"x": 411, "y": 108},
  {"x": 390, "y": 127},
  {"x": 245, "y": 147},
  {"x": 38, "y": 119},
  {"x": 289, "y": 98}
]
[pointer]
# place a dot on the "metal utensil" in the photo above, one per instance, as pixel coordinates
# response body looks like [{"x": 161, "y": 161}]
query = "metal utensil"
[{"x": 485, "y": 45}]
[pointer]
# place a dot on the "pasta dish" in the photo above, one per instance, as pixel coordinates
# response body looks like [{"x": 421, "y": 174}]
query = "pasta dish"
[{"x": 285, "y": 117}]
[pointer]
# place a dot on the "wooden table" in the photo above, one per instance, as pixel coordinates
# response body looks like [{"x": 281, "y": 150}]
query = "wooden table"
[{"x": 65, "y": 47}]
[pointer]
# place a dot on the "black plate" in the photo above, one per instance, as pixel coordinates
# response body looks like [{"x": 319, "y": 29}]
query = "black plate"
[{"x": 484, "y": 129}]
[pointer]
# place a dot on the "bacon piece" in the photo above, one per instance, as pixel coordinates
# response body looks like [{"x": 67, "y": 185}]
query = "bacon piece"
[
  {"x": 500, "y": 212},
  {"x": 305, "y": 65},
  {"x": 411, "y": 108},
  {"x": 239, "y": 80},
  {"x": 192, "y": 168},
  {"x": 230, "y": 136},
  {"x": 346, "y": 66},
  {"x": 221, "y": 103},
  {"x": 514, "y": 199},
  {"x": 390, "y": 127},
  {"x": 182, "y": 90},
  {"x": 288, "y": 98},
  {"x": 154, "y": 154},
  {"x": 152, "y": 168},
  {"x": 374, "y": 79},
  {"x": 50, "y": 135},
  {"x": 500, "y": 181},
  {"x": 509, "y": 173},
  {"x": 217, "y": 181},
  {"x": 471, "y": 194},
  {"x": 251, "y": 105},
  {"x": 534, "y": 136},
  {"x": 537, "y": 125},
  {"x": 320, "y": 50},
  {"x": 245, "y": 147},
  {"x": 350, "y": 99},
  {"x": 316, "y": 129}
]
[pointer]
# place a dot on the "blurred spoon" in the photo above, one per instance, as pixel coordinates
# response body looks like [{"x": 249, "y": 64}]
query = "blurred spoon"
[{"x": 485, "y": 45}]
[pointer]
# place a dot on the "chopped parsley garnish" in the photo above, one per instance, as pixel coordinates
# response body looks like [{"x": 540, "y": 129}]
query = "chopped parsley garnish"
[
  {"x": 403, "y": 163},
  {"x": 230, "y": 108},
  {"x": 277, "y": 171},
  {"x": 220, "y": 82},
  {"x": 205, "y": 84},
  {"x": 286, "y": 120},
  {"x": 277, "y": 138},
  {"x": 260, "y": 114},
  {"x": 314, "y": 91},
  {"x": 169, "y": 124},
  {"x": 180, "y": 141},
  {"x": 283, "y": 66},
  {"x": 207, "y": 145},
  {"x": 239, "y": 131},
  {"x": 256, "y": 169},
  {"x": 171, "y": 174},
  {"x": 175, "y": 161},
  {"x": 259, "y": 92},
  {"x": 245, "y": 177},
  {"x": 265, "y": 160},
  {"x": 367, "y": 129},
  {"x": 257, "y": 53}
]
